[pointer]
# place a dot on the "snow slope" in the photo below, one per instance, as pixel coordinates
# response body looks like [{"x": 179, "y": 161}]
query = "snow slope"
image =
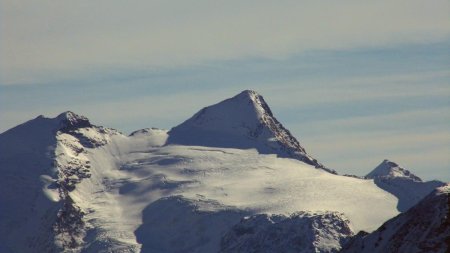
[
  {"x": 177, "y": 224},
  {"x": 423, "y": 228},
  {"x": 407, "y": 187}
]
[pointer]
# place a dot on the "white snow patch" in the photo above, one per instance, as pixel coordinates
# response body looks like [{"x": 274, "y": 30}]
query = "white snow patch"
[{"x": 49, "y": 190}]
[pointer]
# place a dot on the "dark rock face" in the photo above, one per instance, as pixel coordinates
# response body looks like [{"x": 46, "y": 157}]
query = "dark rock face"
[
  {"x": 69, "y": 227},
  {"x": 71, "y": 123}
]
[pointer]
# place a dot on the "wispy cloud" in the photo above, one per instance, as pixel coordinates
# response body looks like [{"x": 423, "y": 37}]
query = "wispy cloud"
[
  {"x": 363, "y": 89},
  {"x": 48, "y": 40}
]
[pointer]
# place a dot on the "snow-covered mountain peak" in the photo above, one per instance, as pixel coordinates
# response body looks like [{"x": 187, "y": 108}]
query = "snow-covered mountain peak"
[
  {"x": 253, "y": 99},
  {"x": 250, "y": 94},
  {"x": 244, "y": 121},
  {"x": 37, "y": 126},
  {"x": 72, "y": 120},
  {"x": 407, "y": 187},
  {"x": 238, "y": 115},
  {"x": 392, "y": 170}
]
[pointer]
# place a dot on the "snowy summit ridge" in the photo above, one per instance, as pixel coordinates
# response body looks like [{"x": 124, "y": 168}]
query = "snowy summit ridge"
[
  {"x": 72, "y": 120},
  {"x": 244, "y": 121},
  {"x": 392, "y": 170}
]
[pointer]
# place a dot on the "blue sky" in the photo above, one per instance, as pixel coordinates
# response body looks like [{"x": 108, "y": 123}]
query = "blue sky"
[{"x": 355, "y": 82}]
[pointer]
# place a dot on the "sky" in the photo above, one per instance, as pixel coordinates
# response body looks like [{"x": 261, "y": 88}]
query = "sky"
[{"x": 355, "y": 81}]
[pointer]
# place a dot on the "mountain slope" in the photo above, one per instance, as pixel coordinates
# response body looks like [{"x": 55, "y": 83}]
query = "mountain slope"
[
  {"x": 41, "y": 161},
  {"x": 423, "y": 228},
  {"x": 26, "y": 165},
  {"x": 195, "y": 225},
  {"x": 301, "y": 232},
  {"x": 243, "y": 121},
  {"x": 407, "y": 187},
  {"x": 71, "y": 186}
]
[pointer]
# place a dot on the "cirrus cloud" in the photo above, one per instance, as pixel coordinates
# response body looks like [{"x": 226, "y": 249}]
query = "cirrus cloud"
[{"x": 44, "y": 40}]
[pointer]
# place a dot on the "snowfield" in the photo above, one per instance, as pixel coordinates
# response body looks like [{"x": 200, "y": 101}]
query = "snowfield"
[{"x": 128, "y": 176}]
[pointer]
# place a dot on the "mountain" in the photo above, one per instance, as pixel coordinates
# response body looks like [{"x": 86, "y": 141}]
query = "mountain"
[
  {"x": 25, "y": 161},
  {"x": 71, "y": 186},
  {"x": 407, "y": 187},
  {"x": 243, "y": 121},
  {"x": 41, "y": 161},
  {"x": 423, "y": 228},
  {"x": 390, "y": 169}
]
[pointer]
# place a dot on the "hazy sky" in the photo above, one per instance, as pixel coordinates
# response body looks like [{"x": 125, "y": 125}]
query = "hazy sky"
[{"x": 355, "y": 81}]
